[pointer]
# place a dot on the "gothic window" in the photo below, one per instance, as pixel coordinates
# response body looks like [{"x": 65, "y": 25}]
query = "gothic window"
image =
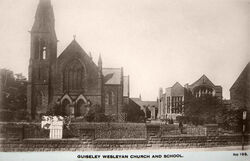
[
  {"x": 111, "y": 98},
  {"x": 78, "y": 78},
  {"x": 36, "y": 47},
  {"x": 73, "y": 76},
  {"x": 39, "y": 98},
  {"x": 44, "y": 53},
  {"x": 107, "y": 99},
  {"x": 42, "y": 49}
]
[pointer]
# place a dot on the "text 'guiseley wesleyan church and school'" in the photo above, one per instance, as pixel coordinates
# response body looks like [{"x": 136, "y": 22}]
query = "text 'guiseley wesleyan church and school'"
[{"x": 73, "y": 81}]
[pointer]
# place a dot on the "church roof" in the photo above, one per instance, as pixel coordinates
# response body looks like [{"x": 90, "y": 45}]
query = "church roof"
[
  {"x": 73, "y": 47},
  {"x": 202, "y": 81},
  {"x": 75, "y": 52},
  {"x": 112, "y": 75},
  {"x": 177, "y": 84},
  {"x": 242, "y": 79}
]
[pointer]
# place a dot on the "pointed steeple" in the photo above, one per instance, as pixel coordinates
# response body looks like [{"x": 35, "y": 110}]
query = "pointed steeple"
[
  {"x": 90, "y": 56},
  {"x": 100, "y": 66},
  {"x": 100, "y": 61},
  {"x": 44, "y": 18}
]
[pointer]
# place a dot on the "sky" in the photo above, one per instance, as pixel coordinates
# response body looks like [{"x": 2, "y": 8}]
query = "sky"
[{"x": 157, "y": 42}]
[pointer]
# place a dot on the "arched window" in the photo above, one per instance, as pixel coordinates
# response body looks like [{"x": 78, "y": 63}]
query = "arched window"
[
  {"x": 42, "y": 49},
  {"x": 111, "y": 98},
  {"x": 106, "y": 99},
  {"x": 73, "y": 76},
  {"x": 39, "y": 99},
  {"x": 36, "y": 48},
  {"x": 44, "y": 53}
]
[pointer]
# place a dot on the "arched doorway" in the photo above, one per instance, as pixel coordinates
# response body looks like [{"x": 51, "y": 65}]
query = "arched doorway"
[
  {"x": 65, "y": 107},
  {"x": 79, "y": 108}
]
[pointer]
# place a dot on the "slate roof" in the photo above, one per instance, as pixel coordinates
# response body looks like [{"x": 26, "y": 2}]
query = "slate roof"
[
  {"x": 242, "y": 78},
  {"x": 177, "y": 84},
  {"x": 202, "y": 81},
  {"x": 112, "y": 76},
  {"x": 74, "y": 46},
  {"x": 141, "y": 103}
]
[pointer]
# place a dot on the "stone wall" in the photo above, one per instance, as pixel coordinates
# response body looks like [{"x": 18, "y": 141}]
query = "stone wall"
[
  {"x": 121, "y": 144},
  {"x": 24, "y": 130},
  {"x": 107, "y": 130},
  {"x": 198, "y": 141},
  {"x": 196, "y": 130},
  {"x": 109, "y": 136},
  {"x": 20, "y": 131}
]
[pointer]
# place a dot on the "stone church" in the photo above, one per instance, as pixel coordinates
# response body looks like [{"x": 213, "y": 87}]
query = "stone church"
[{"x": 71, "y": 80}]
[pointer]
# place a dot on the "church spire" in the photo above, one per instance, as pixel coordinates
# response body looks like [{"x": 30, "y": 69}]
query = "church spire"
[
  {"x": 44, "y": 18},
  {"x": 100, "y": 66},
  {"x": 100, "y": 61}
]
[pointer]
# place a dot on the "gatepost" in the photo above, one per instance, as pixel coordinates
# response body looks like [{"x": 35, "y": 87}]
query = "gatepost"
[{"x": 244, "y": 117}]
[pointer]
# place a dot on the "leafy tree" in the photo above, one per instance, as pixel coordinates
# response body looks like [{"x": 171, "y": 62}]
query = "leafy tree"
[
  {"x": 96, "y": 114},
  {"x": 205, "y": 109},
  {"x": 134, "y": 113},
  {"x": 14, "y": 89},
  {"x": 231, "y": 119}
]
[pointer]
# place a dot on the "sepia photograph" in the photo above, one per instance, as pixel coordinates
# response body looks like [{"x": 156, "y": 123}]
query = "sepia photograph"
[{"x": 122, "y": 75}]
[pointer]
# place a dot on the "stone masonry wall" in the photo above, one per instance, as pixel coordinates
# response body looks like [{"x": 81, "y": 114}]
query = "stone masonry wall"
[
  {"x": 121, "y": 144},
  {"x": 30, "y": 137}
]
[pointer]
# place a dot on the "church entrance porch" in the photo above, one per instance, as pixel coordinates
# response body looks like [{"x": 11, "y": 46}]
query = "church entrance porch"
[{"x": 73, "y": 108}]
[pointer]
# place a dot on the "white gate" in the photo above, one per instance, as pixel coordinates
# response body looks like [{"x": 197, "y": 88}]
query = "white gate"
[
  {"x": 56, "y": 130},
  {"x": 55, "y": 126}
]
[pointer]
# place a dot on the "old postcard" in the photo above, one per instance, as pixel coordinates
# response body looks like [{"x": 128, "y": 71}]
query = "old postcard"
[{"x": 124, "y": 79}]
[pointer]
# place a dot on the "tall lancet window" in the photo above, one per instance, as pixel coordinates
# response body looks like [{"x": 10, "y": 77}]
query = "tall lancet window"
[
  {"x": 36, "y": 48},
  {"x": 111, "y": 98},
  {"x": 44, "y": 53},
  {"x": 73, "y": 76},
  {"x": 43, "y": 48}
]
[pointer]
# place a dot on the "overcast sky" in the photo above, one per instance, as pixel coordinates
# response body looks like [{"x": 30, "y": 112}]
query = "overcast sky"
[{"x": 158, "y": 42}]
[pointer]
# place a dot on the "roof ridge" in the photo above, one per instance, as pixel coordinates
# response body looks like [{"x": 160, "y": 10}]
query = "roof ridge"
[
  {"x": 111, "y": 68},
  {"x": 201, "y": 78},
  {"x": 176, "y": 84},
  {"x": 247, "y": 67},
  {"x": 73, "y": 42}
]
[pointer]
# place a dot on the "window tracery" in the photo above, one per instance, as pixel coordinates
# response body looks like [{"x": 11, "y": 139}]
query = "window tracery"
[{"x": 73, "y": 75}]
